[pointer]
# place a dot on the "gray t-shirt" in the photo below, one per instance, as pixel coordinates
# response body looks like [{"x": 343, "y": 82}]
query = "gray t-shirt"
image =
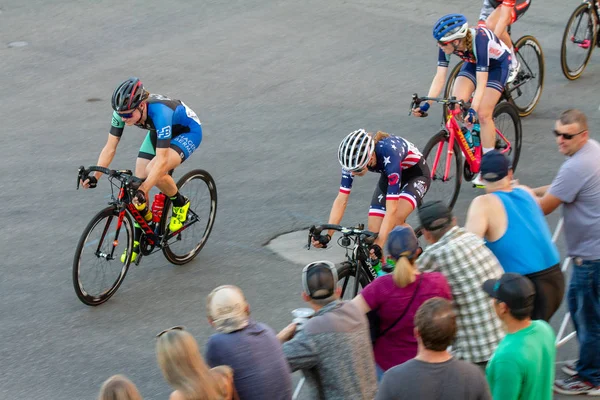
[
  {"x": 450, "y": 380},
  {"x": 577, "y": 185}
]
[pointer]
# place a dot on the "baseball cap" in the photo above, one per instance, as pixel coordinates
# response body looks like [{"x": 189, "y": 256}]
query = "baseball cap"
[
  {"x": 494, "y": 166},
  {"x": 319, "y": 279},
  {"x": 515, "y": 290},
  {"x": 401, "y": 242},
  {"x": 434, "y": 215},
  {"x": 227, "y": 308}
]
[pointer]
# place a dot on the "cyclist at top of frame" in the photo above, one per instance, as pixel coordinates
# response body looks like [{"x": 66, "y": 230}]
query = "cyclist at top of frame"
[
  {"x": 485, "y": 70},
  {"x": 404, "y": 180},
  {"x": 498, "y": 16},
  {"x": 174, "y": 133}
]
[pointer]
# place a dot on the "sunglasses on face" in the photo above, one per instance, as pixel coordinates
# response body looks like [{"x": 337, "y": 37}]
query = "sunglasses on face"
[
  {"x": 443, "y": 44},
  {"x": 567, "y": 136},
  {"x": 175, "y": 328},
  {"x": 126, "y": 115}
]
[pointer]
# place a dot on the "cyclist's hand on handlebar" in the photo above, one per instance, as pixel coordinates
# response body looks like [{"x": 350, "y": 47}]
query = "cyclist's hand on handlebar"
[
  {"x": 90, "y": 183},
  {"x": 139, "y": 197},
  {"x": 471, "y": 116},
  {"x": 320, "y": 241},
  {"x": 376, "y": 251},
  {"x": 421, "y": 111}
]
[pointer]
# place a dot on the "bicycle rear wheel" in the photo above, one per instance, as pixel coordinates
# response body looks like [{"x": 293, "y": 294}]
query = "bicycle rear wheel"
[
  {"x": 200, "y": 188},
  {"x": 446, "y": 190},
  {"x": 579, "y": 40},
  {"x": 346, "y": 277},
  {"x": 525, "y": 91},
  {"x": 450, "y": 87},
  {"x": 97, "y": 268},
  {"x": 508, "y": 130}
]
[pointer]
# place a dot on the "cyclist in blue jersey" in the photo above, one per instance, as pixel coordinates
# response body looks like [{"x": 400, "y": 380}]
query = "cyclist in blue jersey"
[
  {"x": 404, "y": 180},
  {"x": 485, "y": 71},
  {"x": 174, "y": 133}
]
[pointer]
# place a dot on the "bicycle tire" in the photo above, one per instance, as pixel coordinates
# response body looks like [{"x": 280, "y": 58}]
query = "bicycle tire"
[
  {"x": 450, "y": 86},
  {"x": 574, "y": 73},
  {"x": 169, "y": 251},
  {"x": 442, "y": 137},
  {"x": 345, "y": 271},
  {"x": 527, "y": 72},
  {"x": 513, "y": 113},
  {"x": 103, "y": 296}
]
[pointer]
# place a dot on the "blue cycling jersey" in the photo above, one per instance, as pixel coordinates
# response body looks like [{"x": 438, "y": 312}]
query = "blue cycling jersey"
[
  {"x": 394, "y": 154},
  {"x": 166, "y": 119},
  {"x": 488, "y": 51}
]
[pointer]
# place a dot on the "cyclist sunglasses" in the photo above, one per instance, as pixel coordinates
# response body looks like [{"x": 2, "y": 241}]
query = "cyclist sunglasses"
[
  {"x": 126, "y": 115},
  {"x": 567, "y": 136},
  {"x": 175, "y": 328}
]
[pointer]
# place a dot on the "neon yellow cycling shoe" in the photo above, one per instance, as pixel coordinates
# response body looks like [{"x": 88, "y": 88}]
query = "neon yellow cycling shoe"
[
  {"x": 179, "y": 216},
  {"x": 134, "y": 254}
]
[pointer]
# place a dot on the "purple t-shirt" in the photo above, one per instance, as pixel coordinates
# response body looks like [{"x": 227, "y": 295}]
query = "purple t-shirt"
[{"x": 399, "y": 344}]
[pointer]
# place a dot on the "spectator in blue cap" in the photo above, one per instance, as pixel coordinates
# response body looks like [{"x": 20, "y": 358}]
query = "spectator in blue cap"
[{"x": 395, "y": 298}]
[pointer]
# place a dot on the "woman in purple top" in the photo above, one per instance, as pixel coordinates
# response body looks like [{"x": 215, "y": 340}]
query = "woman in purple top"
[{"x": 390, "y": 295}]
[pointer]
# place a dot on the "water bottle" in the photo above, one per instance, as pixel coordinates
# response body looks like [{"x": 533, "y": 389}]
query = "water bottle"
[
  {"x": 475, "y": 135},
  {"x": 377, "y": 267},
  {"x": 467, "y": 134},
  {"x": 143, "y": 209},
  {"x": 157, "y": 206}
]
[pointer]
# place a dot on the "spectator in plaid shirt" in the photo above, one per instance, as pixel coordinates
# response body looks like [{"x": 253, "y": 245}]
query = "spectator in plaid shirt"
[{"x": 466, "y": 262}]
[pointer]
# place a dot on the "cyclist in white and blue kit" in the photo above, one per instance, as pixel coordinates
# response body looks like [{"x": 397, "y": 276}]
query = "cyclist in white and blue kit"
[{"x": 485, "y": 71}]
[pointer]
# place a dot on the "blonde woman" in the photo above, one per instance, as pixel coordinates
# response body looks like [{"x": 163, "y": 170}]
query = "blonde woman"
[
  {"x": 404, "y": 180},
  {"x": 185, "y": 370},
  {"x": 118, "y": 387},
  {"x": 485, "y": 71},
  {"x": 396, "y": 297}
]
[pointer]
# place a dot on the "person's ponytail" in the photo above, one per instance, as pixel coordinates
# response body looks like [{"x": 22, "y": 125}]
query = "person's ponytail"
[{"x": 404, "y": 272}]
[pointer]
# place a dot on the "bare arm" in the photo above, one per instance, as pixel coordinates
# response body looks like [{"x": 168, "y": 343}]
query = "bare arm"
[
  {"x": 541, "y": 191},
  {"x": 388, "y": 223},
  {"x": 106, "y": 156},
  {"x": 549, "y": 203},
  {"x": 337, "y": 210},
  {"x": 437, "y": 85},
  {"x": 360, "y": 301},
  {"x": 477, "y": 222}
]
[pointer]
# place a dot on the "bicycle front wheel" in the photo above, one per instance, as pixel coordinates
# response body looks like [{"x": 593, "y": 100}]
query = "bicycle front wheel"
[
  {"x": 508, "y": 131},
  {"x": 97, "y": 268},
  {"x": 347, "y": 277},
  {"x": 526, "y": 90},
  {"x": 578, "y": 42},
  {"x": 450, "y": 87},
  {"x": 444, "y": 185},
  {"x": 200, "y": 188}
]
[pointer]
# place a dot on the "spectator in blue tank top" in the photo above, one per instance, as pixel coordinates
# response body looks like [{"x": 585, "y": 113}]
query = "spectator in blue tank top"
[
  {"x": 251, "y": 349},
  {"x": 511, "y": 221}
]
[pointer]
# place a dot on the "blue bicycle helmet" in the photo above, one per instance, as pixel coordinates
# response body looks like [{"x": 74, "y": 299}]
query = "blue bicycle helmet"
[{"x": 450, "y": 27}]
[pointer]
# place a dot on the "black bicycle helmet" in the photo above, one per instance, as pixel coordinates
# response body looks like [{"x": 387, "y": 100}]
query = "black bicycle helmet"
[{"x": 128, "y": 95}]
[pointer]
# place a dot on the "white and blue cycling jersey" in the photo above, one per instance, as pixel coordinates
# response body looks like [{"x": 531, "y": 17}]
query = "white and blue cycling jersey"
[{"x": 488, "y": 51}]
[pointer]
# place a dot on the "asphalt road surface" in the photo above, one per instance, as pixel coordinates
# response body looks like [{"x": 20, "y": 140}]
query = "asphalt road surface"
[{"x": 276, "y": 85}]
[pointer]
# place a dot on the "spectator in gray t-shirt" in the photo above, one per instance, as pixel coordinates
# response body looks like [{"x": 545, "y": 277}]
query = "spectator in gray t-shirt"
[
  {"x": 434, "y": 373},
  {"x": 577, "y": 188}
]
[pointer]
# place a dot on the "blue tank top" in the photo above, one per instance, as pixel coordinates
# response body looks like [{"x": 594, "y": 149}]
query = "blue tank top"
[{"x": 526, "y": 247}]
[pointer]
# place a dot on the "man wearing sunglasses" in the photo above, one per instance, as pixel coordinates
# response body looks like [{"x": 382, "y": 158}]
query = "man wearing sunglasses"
[
  {"x": 174, "y": 133},
  {"x": 577, "y": 188}
]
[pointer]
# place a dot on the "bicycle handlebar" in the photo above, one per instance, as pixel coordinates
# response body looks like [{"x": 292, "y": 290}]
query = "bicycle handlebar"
[
  {"x": 124, "y": 175},
  {"x": 364, "y": 235},
  {"x": 416, "y": 101}
]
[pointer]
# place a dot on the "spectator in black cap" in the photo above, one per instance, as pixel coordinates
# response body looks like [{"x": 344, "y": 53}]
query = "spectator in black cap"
[
  {"x": 396, "y": 297},
  {"x": 333, "y": 348},
  {"x": 466, "y": 262},
  {"x": 523, "y": 365},
  {"x": 512, "y": 223}
]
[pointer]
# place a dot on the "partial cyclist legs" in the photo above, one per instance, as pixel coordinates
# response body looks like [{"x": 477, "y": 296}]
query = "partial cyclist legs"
[
  {"x": 486, "y": 120},
  {"x": 493, "y": 20},
  {"x": 166, "y": 184},
  {"x": 403, "y": 210}
]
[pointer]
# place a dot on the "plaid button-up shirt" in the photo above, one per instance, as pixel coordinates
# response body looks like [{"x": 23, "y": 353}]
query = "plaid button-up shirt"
[{"x": 466, "y": 262}]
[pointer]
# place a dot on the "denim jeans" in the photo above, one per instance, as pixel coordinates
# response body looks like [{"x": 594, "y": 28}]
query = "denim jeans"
[{"x": 584, "y": 306}]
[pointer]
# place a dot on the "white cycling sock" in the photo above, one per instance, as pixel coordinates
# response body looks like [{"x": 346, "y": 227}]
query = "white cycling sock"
[
  {"x": 513, "y": 57},
  {"x": 487, "y": 149}
]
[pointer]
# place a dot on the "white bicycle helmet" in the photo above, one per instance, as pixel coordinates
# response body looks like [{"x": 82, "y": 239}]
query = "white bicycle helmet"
[
  {"x": 355, "y": 150},
  {"x": 450, "y": 27}
]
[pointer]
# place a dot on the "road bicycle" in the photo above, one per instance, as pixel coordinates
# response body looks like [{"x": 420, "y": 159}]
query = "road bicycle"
[
  {"x": 525, "y": 91},
  {"x": 98, "y": 266},
  {"x": 581, "y": 36},
  {"x": 447, "y": 169}
]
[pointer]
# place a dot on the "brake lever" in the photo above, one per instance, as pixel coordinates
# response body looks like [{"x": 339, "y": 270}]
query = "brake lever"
[{"x": 80, "y": 175}]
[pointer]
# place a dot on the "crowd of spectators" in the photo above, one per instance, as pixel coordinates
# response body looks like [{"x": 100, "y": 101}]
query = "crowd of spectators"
[{"x": 465, "y": 318}]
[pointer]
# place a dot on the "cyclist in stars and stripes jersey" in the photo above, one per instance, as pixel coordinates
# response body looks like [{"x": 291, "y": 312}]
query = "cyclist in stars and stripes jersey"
[{"x": 404, "y": 180}]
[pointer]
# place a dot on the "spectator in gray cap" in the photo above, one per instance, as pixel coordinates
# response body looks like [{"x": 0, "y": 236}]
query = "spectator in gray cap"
[
  {"x": 514, "y": 228},
  {"x": 577, "y": 188},
  {"x": 250, "y": 348},
  {"x": 333, "y": 348},
  {"x": 466, "y": 262}
]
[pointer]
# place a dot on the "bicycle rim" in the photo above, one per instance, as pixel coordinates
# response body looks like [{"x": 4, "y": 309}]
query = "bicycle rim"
[
  {"x": 579, "y": 40},
  {"x": 526, "y": 89},
  {"x": 444, "y": 190},
  {"x": 96, "y": 277},
  {"x": 508, "y": 131},
  {"x": 346, "y": 279},
  {"x": 199, "y": 187}
]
